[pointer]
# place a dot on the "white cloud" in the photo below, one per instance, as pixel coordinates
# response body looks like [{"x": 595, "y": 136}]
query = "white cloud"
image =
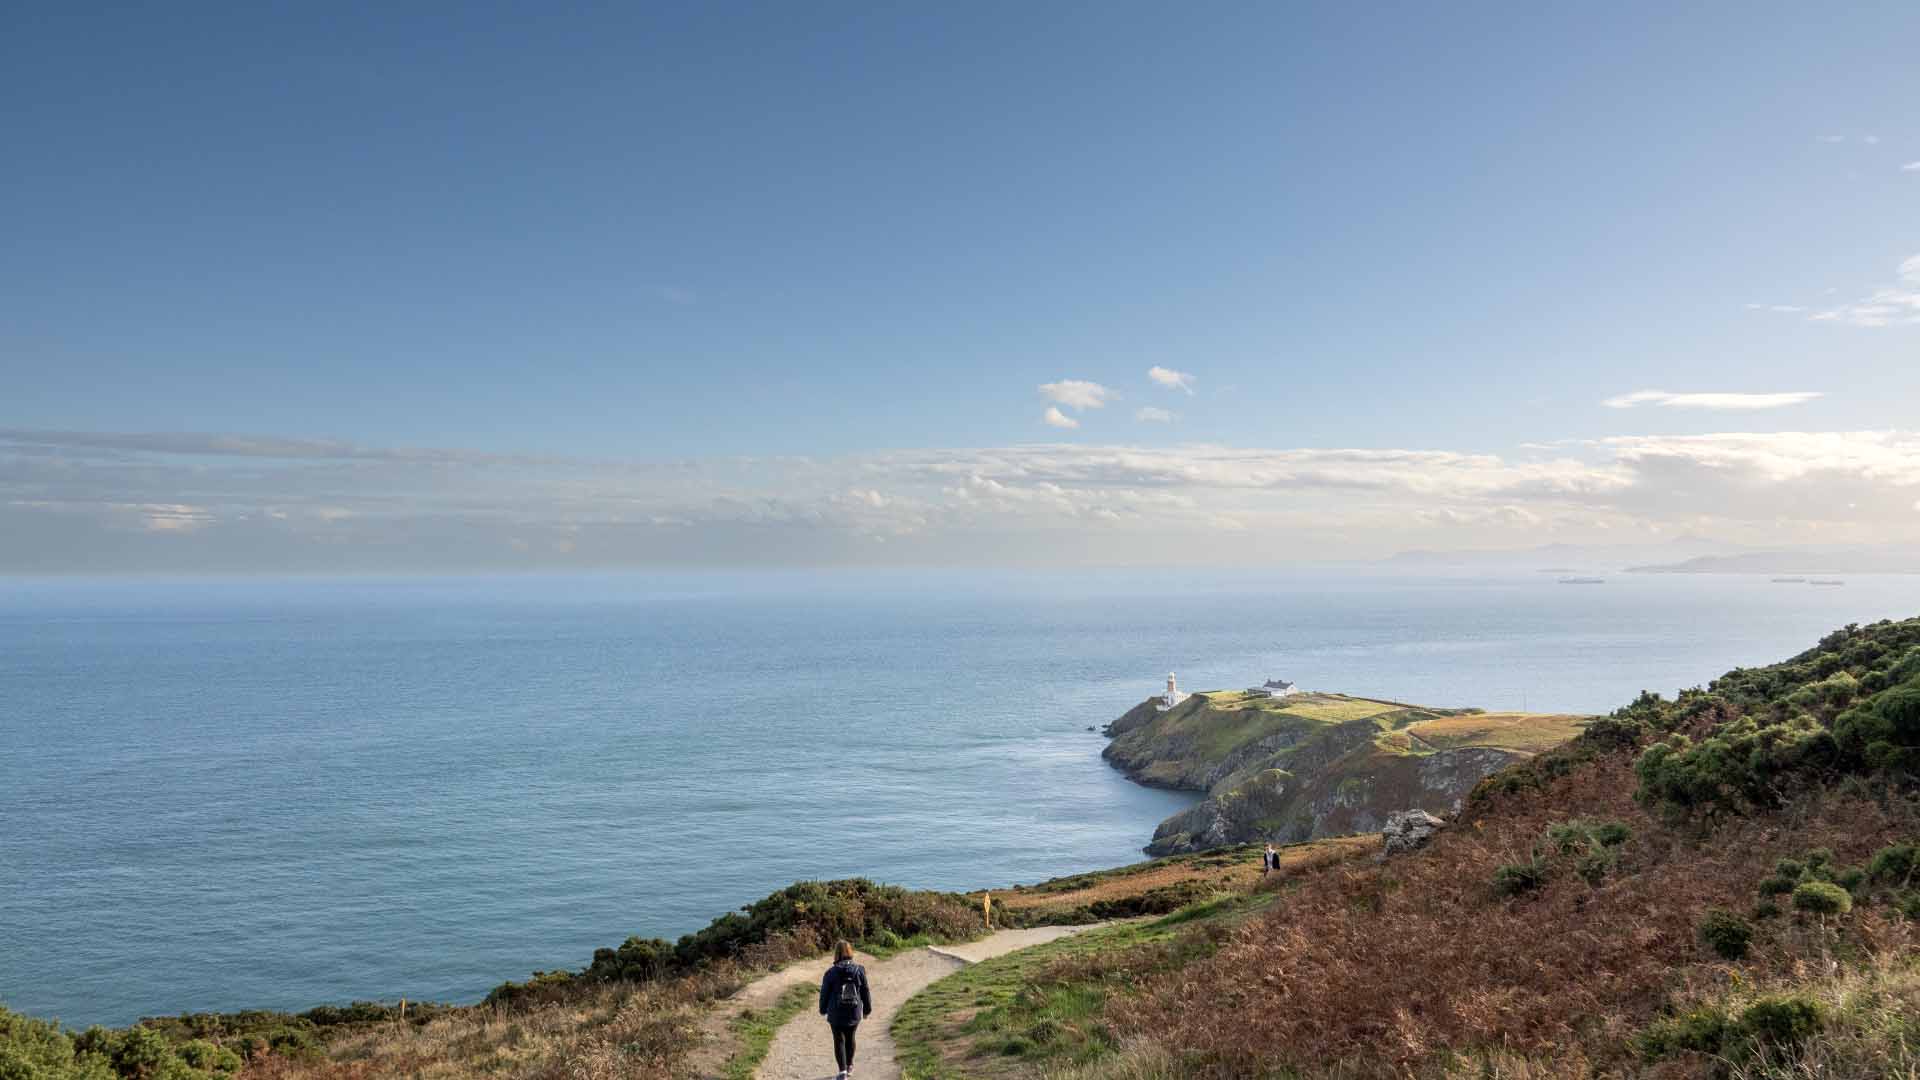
[
  {"x": 171, "y": 517},
  {"x": 1721, "y": 401},
  {"x": 1058, "y": 419},
  {"x": 1171, "y": 379},
  {"x": 1892, "y": 305},
  {"x": 1153, "y": 415},
  {"x": 103, "y": 501},
  {"x": 1870, "y": 140},
  {"x": 1911, "y": 166},
  {"x": 1077, "y": 394}
]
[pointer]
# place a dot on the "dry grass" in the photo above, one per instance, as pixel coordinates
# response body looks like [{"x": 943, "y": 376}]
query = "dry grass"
[
  {"x": 614, "y": 1032},
  {"x": 1234, "y": 870},
  {"x": 1393, "y": 969},
  {"x": 596, "y": 1032},
  {"x": 1527, "y": 732}
]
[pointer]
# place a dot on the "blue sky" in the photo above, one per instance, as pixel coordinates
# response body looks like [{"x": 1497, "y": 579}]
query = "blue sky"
[{"x": 616, "y": 236}]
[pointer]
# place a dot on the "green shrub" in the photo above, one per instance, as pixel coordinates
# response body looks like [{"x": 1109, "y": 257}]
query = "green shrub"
[
  {"x": 1704, "y": 1030},
  {"x": 1594, "y": 866},
  {"x": 208, "y": 1057},
  {"x": 1765, "y": 909},
  {"x": 1778, "y": 885},
  {"x": 1884, "y": 731},
  {"x": 1726, "y": 934},
  {"x": 1612, "y": 833},
  {"x": 1784, "y": 1021},
  {"x": 1851, "y": 879},
  {"x": 1822, "y": 898},
  {"x": 1757, "y": 736},
  {"x": 1514, "y": 879},
  {"x": 1894, "y": 865},
  {"x": 636, "y": 960},
  {"x": 540, "y": 987},
  {"x": 1568, "y": 837},
  {"x": 1791, "y": 869},
  {"x": 1909, "y": 905}
]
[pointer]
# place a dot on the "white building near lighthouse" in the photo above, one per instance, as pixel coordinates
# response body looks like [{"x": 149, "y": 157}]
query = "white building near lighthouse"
[{"x": 1273, "y": 688}]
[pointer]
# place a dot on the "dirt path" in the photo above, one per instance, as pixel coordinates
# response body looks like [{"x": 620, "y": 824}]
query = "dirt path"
[{"x": 804, "y": 1051}]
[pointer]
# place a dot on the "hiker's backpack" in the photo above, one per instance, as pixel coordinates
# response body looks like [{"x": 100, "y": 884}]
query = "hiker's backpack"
[{"x": 849, "y": 1003}]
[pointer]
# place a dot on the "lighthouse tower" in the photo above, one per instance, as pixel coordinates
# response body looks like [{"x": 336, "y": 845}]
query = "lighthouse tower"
[{"x": 1173, "y": 695}]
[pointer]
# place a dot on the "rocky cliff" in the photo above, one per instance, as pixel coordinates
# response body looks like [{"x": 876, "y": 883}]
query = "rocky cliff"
[{"x": 1314, "y": 765}]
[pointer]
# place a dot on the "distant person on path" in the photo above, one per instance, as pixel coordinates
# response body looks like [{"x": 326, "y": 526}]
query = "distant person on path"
[
  {"x": 844, "y": 1001},
  {"x": 1269, "y": 862}
]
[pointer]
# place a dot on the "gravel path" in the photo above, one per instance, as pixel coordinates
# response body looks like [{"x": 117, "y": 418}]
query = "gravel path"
[{"x": 804, "y": 1051}]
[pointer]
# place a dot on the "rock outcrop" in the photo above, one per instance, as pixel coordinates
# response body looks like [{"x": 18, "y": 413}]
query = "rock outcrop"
[{"x": 1408, "y": 831}]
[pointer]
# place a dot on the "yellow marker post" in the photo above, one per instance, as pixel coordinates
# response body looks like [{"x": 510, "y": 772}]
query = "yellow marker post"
[{"x": 986, "y": 909}]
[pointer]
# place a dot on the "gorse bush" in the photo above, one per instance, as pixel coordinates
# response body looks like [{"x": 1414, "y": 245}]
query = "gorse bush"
[
  {"x": 38, "y": 1050},
  {"x": 1783, "y": 1021},
  {"x": 803, "y": 918},
  {"x": 1726, "y": 934},
  {"x": 1894, "y": 865},
  {"x": 1850, "y": 706},
  {"x": 1775, "y": 1026},
  {"x": 1821, "y": 898},
  {"x": 1885, "y": 732},
  {"x": 1705, "y": 1030}
]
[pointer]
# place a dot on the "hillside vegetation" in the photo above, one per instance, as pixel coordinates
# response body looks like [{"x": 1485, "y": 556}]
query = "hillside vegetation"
[
  {"x": 1314, "y": 765},
  {"x": 646, "y": 1007},
  {"x": 1717, "y": 884}
]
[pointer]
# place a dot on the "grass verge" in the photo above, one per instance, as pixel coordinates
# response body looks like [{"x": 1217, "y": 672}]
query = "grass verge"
[
  {"x": 756, "y": 1028},
  {"x": 1045, "y": 1006}
]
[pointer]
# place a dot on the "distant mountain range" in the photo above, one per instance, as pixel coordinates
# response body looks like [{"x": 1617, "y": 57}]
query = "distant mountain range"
[
  {"x": 1683, "y": 555},
  {"x": 1799, "y": 561},
  {"x": 1564, "y": 558}
]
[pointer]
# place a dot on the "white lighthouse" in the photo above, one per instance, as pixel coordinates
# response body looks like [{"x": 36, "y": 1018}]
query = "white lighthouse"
[{"x": 1173, "y": 696}]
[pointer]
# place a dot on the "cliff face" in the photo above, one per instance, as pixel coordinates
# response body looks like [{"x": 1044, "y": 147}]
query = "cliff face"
[{"x": 1313, "y": 765}]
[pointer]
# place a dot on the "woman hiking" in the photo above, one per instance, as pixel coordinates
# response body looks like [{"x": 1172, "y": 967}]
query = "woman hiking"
[{"x": 844, "y": 1001}]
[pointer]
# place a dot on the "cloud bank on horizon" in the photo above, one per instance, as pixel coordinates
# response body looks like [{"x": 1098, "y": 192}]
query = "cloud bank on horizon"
[
  {"x": 1720, "y": 401},
  {"x": 102, "y": 502}
]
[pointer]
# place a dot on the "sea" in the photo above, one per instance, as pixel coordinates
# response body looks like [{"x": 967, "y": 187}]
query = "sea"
[{"x": 220, "y": 794}]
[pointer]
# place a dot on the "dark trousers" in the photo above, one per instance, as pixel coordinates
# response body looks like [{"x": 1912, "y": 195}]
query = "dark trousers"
[{"x": 843, "y": 1043}]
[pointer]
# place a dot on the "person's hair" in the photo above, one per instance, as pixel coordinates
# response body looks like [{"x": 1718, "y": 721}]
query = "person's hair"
[{"x": 842, "y": 950}]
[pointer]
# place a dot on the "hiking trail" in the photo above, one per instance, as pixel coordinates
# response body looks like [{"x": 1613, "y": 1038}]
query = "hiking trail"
[{"x": 803, "y": 1050}]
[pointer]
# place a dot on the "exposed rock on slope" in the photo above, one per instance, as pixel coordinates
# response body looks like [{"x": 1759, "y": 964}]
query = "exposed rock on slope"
[
  {"x": 1408, "y": 831},
  {"x": 1314, "y": 765}
]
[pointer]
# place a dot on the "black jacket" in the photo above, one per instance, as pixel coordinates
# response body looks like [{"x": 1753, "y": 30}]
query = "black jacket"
[{"x": 830, "y": 1005}]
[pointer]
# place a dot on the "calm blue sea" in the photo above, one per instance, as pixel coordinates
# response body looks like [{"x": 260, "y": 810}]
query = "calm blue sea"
[{"x": 226, "y": 794}]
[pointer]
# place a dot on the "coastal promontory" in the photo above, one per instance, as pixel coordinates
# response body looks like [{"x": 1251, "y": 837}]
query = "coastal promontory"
[{"x": 1302, "y": 766}]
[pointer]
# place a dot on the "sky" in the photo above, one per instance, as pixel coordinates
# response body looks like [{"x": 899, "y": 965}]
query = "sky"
[{"x": 298, "y": 287}]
